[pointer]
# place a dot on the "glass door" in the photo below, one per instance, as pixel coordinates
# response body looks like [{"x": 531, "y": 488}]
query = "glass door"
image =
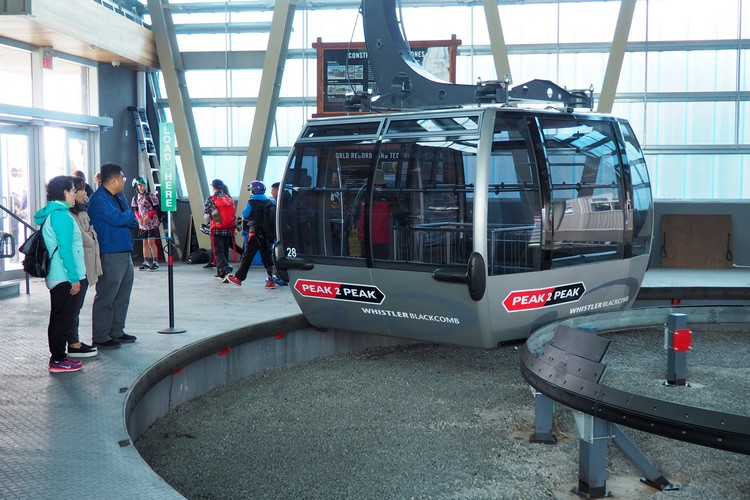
[
  {"x": 15, "y": 192},
  {"x": 65, "y": 151}
]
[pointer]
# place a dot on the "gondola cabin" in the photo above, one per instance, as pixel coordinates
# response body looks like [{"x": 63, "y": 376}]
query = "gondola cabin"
[{"x": 470, "y": 226}]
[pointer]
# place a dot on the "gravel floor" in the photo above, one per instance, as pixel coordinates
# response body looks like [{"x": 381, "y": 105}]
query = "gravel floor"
[{"x": 435, "y": 421}]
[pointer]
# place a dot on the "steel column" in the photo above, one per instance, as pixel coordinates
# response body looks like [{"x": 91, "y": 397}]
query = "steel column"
[
  {"x": 497, "y": 40},
  {"x": 173, "y": 71},
  {"x": 594, "y": 435},
  {"x": 542, "y": 419},
  {"x": 616, "y": 56},
  {"x": 268, "y": 97}
]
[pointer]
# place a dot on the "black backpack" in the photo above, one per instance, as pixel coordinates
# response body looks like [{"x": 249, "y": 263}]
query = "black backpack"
[
  {"x": 37, "y": 260},
  {"x": 200, "y": 256},
  {"x": 269, "y": 221}
]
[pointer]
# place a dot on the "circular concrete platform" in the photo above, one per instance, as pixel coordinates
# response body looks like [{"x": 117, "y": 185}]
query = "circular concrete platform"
[{"x": 419, "y": 421}]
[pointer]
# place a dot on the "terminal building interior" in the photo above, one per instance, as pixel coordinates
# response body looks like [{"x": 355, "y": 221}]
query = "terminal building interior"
[{"x": 526, "y": 185}]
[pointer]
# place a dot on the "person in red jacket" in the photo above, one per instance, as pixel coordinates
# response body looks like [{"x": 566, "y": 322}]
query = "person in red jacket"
[
  {"x": 219, "y": 210},
  {"x": 381, "y": 222}
]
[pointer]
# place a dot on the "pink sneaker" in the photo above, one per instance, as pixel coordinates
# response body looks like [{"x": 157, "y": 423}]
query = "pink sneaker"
[
  {"x": 270, "y": 283},
  {"x": 65, "y": 365}
]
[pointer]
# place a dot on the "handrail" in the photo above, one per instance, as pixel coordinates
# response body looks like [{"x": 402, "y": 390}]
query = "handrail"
[
  {"x": 26, "y": 228},
  {"x": 26, "y": 224}
]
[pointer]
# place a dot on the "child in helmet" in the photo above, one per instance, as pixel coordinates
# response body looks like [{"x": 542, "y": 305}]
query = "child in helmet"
[{"x": 146, "y": 207}]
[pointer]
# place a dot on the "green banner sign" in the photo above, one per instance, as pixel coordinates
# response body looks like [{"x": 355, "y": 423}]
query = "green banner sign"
[{"x": 168, "y": 171}]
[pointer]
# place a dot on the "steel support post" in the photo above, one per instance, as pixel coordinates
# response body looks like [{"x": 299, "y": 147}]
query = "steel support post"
[
  {"x": 542, "y": 419},
  {"x": 594, "y": 435},
  {"x": 652, "y": 476},
  {"x": 676, "y": 358}
]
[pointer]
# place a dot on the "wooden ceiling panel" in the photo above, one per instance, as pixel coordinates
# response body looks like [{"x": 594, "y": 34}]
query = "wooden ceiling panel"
[{"x": 85, "y": 29}]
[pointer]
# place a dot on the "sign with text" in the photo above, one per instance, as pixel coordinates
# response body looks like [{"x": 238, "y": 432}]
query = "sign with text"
[
  {"x": 168, "y": 170},
  {"x": 345, "y": 68},
  {"x": 523, "y": 300},
  {"x": 339, "y": 291}
]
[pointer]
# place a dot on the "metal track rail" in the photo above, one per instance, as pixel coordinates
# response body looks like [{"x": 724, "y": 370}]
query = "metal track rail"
[{"x": 566, "y": 376}]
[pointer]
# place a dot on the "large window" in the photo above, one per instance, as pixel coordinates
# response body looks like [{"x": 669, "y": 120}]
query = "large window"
[
  {"x": 588, "y": 218},
  {"x": 513, "y": 202},
  {"x": 414, "y": 207},
  {"x": 640, "y": 223},
  {"x": 15, "y": 77},
  {"x": 683, "y": 86},
  {"x": 320, "y": 202},
  {"x": 406, "y": 201}
]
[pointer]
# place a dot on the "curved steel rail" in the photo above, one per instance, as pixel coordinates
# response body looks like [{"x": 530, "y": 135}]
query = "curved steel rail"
[{"x": 557, "y": 371}]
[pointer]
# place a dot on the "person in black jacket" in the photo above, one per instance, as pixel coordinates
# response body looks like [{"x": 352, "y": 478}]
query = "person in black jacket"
[{"x": 258, "y": 213}]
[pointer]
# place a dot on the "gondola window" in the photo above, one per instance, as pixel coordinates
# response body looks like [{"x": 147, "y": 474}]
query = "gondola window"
[
  {"x": 513, "y": 201},
  {"x": 588, "y": 220}
]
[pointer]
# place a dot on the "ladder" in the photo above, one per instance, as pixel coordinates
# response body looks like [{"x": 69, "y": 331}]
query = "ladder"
[
  {"x": 149, "y": 162},
  {"x": 147, "y": 156}
]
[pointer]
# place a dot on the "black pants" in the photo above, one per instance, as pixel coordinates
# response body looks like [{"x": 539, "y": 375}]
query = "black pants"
[
  {"x": 255, "y": 243},
  {"x": 221, "y": 251},
  {"x": 80, "y": 298},
  {"x": 63, "y": 317}
]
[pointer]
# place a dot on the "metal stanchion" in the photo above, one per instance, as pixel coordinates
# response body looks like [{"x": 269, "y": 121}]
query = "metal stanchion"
[{"x": 170, "y": 251}]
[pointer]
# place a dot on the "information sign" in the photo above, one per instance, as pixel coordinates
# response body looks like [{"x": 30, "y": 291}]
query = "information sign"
[
  {"x": 344, "y": 68},
  {"x": 168, "y": 171}
]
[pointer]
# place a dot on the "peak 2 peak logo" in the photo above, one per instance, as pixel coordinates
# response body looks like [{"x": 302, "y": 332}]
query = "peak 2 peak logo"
[
  {"x": 524, "y": 300},
  {"x": 339, "y": 291}
]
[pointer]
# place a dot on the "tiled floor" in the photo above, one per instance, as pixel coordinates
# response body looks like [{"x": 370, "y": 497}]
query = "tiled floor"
[{"x": 64, "y": 433}]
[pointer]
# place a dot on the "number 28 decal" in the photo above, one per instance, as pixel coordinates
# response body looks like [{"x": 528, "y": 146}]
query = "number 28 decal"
[{"x": 291, "y": 252}]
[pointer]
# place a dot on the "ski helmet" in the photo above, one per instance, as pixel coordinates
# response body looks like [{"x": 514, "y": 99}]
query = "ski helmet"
[{"x": 256, "y": 187}]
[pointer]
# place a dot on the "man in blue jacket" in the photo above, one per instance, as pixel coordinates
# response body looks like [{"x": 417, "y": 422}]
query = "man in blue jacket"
[{"x": 112, "y": 219}]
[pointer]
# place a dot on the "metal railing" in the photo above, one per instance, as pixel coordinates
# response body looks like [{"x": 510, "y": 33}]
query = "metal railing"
[
  {"x": 510, "y": 247},
  {"x": 8, "y": 253},
  {"x": 438, "y": 243}
]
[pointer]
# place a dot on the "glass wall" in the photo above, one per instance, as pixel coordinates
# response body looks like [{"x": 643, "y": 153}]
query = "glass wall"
[
  {"x": 45, "y": 131},
  {"x": 15, "y": 76},
  {"x": 683, "y": 86}
]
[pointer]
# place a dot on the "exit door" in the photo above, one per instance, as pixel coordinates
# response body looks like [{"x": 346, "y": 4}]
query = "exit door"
[{"x": 15, "y": 192}]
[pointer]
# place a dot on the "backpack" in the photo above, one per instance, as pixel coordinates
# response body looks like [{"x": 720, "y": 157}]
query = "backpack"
[
  {"x": 263, "y": 217},
  {"x": 200, "y": 256},
  {"x": 37, "y": 260},
  {"x": 225, "y": 207},
  {"x": 269, "y": 221}
]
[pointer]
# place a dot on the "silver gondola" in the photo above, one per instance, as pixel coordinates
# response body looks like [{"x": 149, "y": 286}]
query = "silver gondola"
[{"x": 470, "y": 226}]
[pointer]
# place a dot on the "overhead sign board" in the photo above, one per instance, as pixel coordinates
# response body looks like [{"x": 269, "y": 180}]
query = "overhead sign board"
[{"x": 344, "y": 68}]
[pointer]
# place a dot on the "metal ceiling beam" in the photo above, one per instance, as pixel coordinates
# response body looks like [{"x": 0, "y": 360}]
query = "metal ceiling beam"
[
  {"x": 240, "y": 59},
  {"x": 266, "y": 6},
  {"x": 268, "y": 96},
  {"x": 214, "y": 28},
  {"x": 497, "y": 39},
  {"x": 616, "y": 56},
  {"x": 173, "y": 71}
]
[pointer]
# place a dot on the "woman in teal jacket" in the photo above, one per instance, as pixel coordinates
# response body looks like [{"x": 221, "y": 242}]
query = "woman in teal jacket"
[{"x": 67, "y": 268}]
